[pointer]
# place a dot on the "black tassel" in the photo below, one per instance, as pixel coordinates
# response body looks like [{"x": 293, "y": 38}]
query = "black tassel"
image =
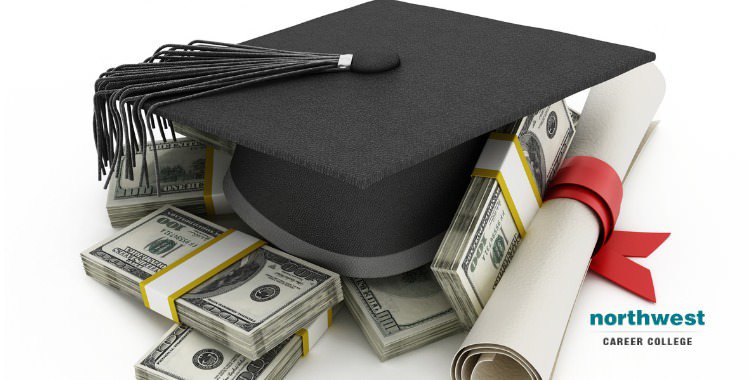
[{"x": 127, "y": 97}]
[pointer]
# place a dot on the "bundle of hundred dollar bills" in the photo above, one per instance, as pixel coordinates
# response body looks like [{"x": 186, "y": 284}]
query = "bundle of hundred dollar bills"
[
  {"x": 400, "y": 313},
  {"x": 503, "y": 196},
  {"x": 226, "y": 337},
  {"x": 250, "y": 302},
  {"x": 190, "y": 172},
  {"x": 183, "y": 353}
]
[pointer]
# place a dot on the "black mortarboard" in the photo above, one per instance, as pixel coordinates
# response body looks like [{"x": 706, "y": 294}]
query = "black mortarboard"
[{"x": 361, "y": 172}]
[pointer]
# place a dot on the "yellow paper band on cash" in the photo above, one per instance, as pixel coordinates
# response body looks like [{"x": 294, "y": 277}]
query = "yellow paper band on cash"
[
  {"x": 217, "y": 163},
  {"x": 312, "y": 333},
  {"x": 163, "y": 288},
  {"x": 502, "y": 159}
]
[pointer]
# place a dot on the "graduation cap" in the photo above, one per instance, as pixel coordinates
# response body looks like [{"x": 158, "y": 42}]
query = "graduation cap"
[{"x": 356, "y": 156}]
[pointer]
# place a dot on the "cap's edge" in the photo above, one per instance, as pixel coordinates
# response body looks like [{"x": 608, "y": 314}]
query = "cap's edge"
[{"x": 345, "y": 265}]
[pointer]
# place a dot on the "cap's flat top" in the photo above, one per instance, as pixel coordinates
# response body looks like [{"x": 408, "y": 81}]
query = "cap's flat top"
[{"x": 460, "y": 76}]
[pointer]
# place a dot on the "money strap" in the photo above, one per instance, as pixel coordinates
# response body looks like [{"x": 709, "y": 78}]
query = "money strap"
[
  {"x": 502, "y": 159},
  {"x": 217, "y": 164},
  {"x": 594, "y": 183},
  {"x": 163, "y": 288},
  {"x": 312, "y": 333}
]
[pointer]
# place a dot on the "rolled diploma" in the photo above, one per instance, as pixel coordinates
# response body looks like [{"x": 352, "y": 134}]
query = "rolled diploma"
[{"x": 519, "y": 333}]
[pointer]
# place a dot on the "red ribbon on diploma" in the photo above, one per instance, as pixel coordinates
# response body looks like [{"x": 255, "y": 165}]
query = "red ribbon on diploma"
[{"x": 594, "y": 183}]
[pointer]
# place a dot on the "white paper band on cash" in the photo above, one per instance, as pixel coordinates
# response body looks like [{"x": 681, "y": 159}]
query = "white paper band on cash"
[
  {"x": 217, "y": 164},
  {"x": 502, "y": 158},
  {"x": 312, "y": 333},
  {"x": 163, "y": 288}
]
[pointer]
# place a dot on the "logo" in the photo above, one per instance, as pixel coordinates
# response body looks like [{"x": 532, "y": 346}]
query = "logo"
[
  {"x": 650, "y": 329},
  {"x": 208, "y": 358},
  {"x": 264, "y": 293},
  {"x": 639, "y": 318},
  {"x": 551, "y": 124}
]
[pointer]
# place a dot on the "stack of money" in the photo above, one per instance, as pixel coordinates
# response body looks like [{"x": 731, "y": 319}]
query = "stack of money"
[
  {"x": 400, "y": 313},
  {"x": 183, "y": 353},
  {"x": 482, "y": 238},
  {"x": 182, "y": 171},
  {"x": 251, "y": 306}
]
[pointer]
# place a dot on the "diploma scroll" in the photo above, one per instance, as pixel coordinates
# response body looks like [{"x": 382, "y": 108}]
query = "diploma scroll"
[{"x": 518, "y": 335}]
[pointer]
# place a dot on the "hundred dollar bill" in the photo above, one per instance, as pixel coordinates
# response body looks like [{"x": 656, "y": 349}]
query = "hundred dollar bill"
[
  {"x": 400, "y": 313},
  {"x": 184, "y": 353},
  {"x": 185, "y": 166},
  {"x": 545, "y": 138},
  {"x": 251, "y": 306},
  {"x": 482, "y": 238}
]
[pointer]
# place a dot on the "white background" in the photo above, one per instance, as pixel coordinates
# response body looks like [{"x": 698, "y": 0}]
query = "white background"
[{"x": 691, "y": 181}]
